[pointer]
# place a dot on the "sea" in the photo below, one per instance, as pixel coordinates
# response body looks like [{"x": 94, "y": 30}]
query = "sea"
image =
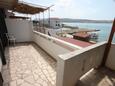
[{"x": 105, "y": 29}]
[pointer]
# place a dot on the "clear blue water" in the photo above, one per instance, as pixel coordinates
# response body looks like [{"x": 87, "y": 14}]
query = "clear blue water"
[{"x": 105, "y": 29}]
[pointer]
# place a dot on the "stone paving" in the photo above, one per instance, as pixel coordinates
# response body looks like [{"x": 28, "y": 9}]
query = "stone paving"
[{"x": 29, "y": 65}]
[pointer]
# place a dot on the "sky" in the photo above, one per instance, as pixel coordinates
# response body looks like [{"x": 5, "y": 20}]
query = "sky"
[{"x": 79, "y": 9}]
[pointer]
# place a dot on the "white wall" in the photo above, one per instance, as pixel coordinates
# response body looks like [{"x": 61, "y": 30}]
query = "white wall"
[
  {"x": 52, "y": 45},
  {"x": 53, "y": 23},
  {"x": 111, "y": 58},
  {"x": 72, "y": 66},
  {"x": 22, "y": 29}
]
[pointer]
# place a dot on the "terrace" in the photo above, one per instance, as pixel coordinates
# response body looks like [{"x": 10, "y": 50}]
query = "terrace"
[
  {"x": 41, "y": 60},
  {"x": 42, "y": 63},
  {"x": 29, "y": 65}
]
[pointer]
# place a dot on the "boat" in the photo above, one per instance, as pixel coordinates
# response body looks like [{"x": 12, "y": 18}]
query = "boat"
[{"x": 94, "y": 35}]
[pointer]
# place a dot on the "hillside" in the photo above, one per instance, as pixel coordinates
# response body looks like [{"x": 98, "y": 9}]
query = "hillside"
[{"x": 85, "y": 20}]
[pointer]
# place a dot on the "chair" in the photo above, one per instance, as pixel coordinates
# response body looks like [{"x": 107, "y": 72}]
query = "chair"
[{"x": 11, "y": 38}]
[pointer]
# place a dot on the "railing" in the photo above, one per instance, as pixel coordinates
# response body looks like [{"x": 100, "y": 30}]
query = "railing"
[
  {"x": 52, "y": 45},
  {"x": 73, "y": 65},
  {"x": 72, "y": 61}
]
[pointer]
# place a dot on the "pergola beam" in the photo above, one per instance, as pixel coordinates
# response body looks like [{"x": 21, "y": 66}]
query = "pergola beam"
[
  {"x": 26, "y": 8},
  {"x": 8, "y": 4},
  {"x": 21, "y": 7}
]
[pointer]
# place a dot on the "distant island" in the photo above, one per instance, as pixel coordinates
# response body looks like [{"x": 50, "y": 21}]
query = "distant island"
[{"x": 84, "y": 20}]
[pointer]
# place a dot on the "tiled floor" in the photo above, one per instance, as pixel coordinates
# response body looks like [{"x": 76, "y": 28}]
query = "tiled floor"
[{"x": 29, "y": 65}]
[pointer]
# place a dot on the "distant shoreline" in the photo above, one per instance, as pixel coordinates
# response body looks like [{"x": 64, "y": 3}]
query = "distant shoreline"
[
  {"x": 85, "y": 21},
  {"x": 91, "y": 22}
]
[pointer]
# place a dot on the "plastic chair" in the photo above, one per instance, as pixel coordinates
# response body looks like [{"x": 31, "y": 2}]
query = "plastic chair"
[{"x": 11, "y": 38}]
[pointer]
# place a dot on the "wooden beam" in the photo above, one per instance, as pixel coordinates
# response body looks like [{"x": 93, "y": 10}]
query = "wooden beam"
[
  {"x": 2, "y": 53},
  {"x": 25, "y": 8},
  {"x": 1, "y": 79},
  {"x": 108, "y": 46}
]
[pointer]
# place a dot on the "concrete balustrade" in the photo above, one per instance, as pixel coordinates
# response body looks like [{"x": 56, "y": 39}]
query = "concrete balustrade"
[
  {"x": 52, "y": 45},
  {"x": 72, "y": 61},
  {"x": 73, "y": 65}
]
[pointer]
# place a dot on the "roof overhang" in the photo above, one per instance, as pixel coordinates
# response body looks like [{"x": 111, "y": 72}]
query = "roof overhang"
[
  {"x": 27, "y": 8},
  {"x": 21, "y": 7},
  {"x": 8, "y": 4}
]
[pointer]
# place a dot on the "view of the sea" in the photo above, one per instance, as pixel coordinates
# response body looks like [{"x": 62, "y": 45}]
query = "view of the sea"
[{"x": 104, "y": 28}]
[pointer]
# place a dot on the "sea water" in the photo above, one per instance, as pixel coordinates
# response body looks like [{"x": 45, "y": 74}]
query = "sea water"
[{"x": 105, "y": 29}]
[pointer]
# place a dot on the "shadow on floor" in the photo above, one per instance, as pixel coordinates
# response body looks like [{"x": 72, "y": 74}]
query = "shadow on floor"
[
  {"x": 48, "y": 58},
  {"x": 100, "y": 77}
]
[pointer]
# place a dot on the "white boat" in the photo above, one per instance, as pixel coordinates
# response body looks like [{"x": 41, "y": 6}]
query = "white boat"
[{"x": 94, "y": 35}]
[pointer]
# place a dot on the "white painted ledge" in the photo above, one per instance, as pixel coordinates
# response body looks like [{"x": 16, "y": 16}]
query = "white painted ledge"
[
  {"x": 53, "y": 46},
  {"x": 73, "y": 65}
]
